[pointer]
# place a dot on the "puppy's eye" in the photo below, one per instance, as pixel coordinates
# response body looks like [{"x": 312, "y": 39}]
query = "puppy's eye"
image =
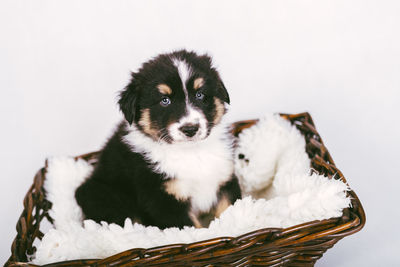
[
  {"x": 199, "y": 95},
  {"x": 165, "y": 101}
]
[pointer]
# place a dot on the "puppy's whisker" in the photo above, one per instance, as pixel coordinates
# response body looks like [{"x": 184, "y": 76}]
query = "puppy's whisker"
[{"x": 163, "y": 136}]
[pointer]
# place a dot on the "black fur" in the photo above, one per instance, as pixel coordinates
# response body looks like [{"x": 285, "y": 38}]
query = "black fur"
[{"x": 123, "y": 183}]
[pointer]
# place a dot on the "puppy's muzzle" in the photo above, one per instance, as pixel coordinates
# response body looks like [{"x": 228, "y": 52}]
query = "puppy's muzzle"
[{"x": 189, "y": 129}]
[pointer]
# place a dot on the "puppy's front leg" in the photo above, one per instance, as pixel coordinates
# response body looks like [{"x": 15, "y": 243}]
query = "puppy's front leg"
[
  {"x": 101, "y": 202},
  {"x": 168, "y": 212},
  {"x": 195, "y": 219},
  {"x": 164, "y": 210},
  {"x": 227, "y": 195}
]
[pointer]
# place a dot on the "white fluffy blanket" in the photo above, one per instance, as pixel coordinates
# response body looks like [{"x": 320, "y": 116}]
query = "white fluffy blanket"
[{"x": 275, "y": 169}]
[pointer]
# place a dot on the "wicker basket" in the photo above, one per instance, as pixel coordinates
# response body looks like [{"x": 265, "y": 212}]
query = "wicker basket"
[{"x": 300, "y": 245}]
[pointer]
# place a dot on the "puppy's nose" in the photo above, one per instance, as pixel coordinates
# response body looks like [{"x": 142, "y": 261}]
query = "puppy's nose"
[{"x": 189, "y": 129}]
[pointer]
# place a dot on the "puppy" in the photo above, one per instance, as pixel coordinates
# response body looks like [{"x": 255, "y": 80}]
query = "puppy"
[{"x": 169, "y": 163}]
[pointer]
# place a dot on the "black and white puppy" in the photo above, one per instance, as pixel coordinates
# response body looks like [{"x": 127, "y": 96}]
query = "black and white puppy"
[{"x": 169, "y": 163}]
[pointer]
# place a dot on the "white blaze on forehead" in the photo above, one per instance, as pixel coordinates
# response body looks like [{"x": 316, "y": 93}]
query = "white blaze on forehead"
[
  {"x": 193, "y": 115},
  {"x": 184, "y": 72}
]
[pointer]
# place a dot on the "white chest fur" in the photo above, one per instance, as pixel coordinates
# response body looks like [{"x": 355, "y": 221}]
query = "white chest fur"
[{"x": 197, "y": 169}]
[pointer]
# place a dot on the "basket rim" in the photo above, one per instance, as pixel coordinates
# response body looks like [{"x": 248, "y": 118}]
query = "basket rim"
[{"x": 352, "y": 220}]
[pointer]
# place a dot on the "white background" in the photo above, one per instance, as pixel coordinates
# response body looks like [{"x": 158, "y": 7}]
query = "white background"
[{"x": 63, "y": 62}]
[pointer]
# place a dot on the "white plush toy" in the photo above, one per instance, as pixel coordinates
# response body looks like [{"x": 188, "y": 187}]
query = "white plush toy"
[{"x": 267, "y": 150}]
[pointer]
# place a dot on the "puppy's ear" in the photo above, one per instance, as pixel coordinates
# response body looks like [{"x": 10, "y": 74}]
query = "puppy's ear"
[
  {"x": 205, "y": 62},
  {"x": 128, "y": 100},
  {"x": 223, "y": 93}
]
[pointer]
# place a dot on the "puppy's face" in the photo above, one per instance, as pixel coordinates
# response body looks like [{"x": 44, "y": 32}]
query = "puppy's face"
[{"x": 175, "y": 97}]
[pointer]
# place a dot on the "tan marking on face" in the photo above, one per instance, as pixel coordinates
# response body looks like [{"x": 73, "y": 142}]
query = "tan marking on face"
[
  {"x": 145, "y": 122},
  {"x": 164, "y": 89},
  {"x": 172, "y": 188},
  {"x": 219, "y": 110},
  {"x": 222, "y": 205},
  {"x": 195, "y": 220},
  {"x": 199, "y": 82}
]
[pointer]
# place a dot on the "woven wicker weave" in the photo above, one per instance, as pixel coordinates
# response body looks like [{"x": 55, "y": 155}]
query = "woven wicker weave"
[{"x": 300, "y": 245}]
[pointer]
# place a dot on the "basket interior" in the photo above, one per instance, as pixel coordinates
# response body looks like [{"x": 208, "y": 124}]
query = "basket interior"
[{"x": 301, "y": 244}]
